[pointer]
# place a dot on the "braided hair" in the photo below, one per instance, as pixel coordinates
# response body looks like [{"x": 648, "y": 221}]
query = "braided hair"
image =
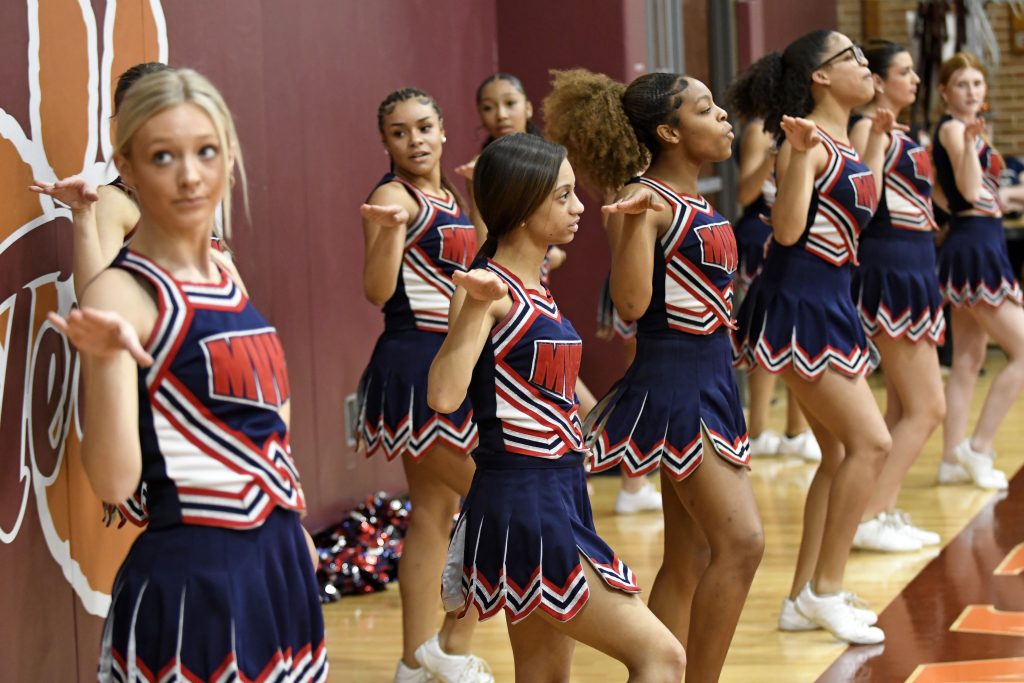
[{"x": 387, "y": 106}]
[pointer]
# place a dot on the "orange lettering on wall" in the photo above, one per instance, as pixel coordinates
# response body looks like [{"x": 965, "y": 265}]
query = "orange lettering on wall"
[
  {"x": 977, "y": 671},
  {"x": 1013, "y": 563},
  {"x": 987, "y": 619}
]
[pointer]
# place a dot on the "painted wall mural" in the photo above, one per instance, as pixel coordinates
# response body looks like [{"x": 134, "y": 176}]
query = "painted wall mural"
[{"x": 54, "y": 122}]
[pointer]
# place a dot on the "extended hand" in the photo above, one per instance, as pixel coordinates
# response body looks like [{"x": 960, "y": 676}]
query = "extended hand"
[
  {"x": 390, "y": 216},
  {"x": 801, "y": 134},
  {"x": 884, "y": 121},
  {"x": 635, "y": 199},
  {"x": 101, "y": 333},
  {"x": 481, "y": 284},
  {"x": 466, "y": 170},
  {"x": 75, "y": 191},
  {"x": 973, "y": 130}
]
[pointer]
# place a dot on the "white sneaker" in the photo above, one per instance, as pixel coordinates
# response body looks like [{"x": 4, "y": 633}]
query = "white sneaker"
[
  {"x": 790, "y": 618},
  {"x": 979, "y": 466},
  {"x": 767, "y": 443},
  {"x": 903, "y": 520},
  {"x": 836, "y": 615},
  {"x": 448, "y": 668},
  {"x": 407, "y": 674},
  {"x": 952, "y": 473},
  {"x": 647, "y": 499},
  {"x": 884, "y": 536},
  {"x": 803, "y": 444}
]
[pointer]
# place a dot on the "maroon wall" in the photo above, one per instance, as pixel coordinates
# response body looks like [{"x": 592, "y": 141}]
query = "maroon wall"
[
  {"x": 304, "y": 80},
  {"x": 766, "y": 25},
  {"x": 305, "y": 86},
  {"x": 606, "y": 36}
]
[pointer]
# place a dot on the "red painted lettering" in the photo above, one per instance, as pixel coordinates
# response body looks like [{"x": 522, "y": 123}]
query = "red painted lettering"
[
  {"x": 718, "y": 246},
  {"x": 864, "y": 189},
  {"x": 248, "y": 367},
  {"x": 556, "y": 366},
  {"x": 458, "y": 244}
]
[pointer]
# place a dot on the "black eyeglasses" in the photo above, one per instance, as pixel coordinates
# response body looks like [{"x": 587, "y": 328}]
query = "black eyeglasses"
[{"x": 854, "y": 51}]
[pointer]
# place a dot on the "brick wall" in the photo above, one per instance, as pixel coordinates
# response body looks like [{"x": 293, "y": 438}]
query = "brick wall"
[{"x": 1006, "y": 96}]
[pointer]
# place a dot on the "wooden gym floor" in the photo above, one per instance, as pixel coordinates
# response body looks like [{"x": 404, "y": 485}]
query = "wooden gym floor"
[{"x": 959, "y": 609}]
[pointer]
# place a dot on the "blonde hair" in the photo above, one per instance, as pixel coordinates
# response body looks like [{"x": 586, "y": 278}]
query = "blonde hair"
[
  {"x": 155, "y": 92},
  {"x": 961, "y": 60}
]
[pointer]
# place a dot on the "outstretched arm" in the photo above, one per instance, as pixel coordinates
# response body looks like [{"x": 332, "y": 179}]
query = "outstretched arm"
[
  {"x": 633, "y": 248},
  {"x": 757, "y": 159},
  {"x": 796, "y": 168},
  {"x": 959, "y": 139},
  {"x": 385, "y": 221},
  {"x": 479, "y": 302},
  {"x": 108, "y": 331}
]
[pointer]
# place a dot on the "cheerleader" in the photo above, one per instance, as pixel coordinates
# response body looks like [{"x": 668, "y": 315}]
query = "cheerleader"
[
  {"x": 975, "y": 276},
  {"x": 755, "y": 192},
  {"x": 802, "y": 322},
  {"x": 416, "y": 235},
  {"x": 896, "y": 292},
  {"x": 677, "y": 409},
  {"x": 579, "y": 99},
  {"x": 220, "y": 584},
  {"x": 525, "y": 541},
  {"x": 504, "y": 109}
]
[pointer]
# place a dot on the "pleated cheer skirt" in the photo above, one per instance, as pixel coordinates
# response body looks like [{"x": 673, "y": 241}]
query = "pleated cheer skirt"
[
  {"x": 974, "y": 266},
  {"x": 199, "y": 603},
  {"x": 895, "y": 287},
  {"x": 393, "y": 413},
  {"x": 517, "y": 545},
  {"x": 800, "y": 315},
  {"x": 751, "y": 236},
  {"x": 679, "y": 385}
]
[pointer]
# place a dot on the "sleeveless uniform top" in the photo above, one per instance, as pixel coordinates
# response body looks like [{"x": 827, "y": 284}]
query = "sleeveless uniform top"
[
  {"x": 215, "y": 450},
  {"x": 523, "y": 389},
  {"x": 843, "y": 201},
  {"x": 906, "y": 202},
  {"x": 692, "y": 287},
  {"x": 438, "y": 242},
  {"x": 991, "y": 167}
]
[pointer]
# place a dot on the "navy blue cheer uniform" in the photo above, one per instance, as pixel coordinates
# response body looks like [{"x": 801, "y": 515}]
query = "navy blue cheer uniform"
[
  {"x": 220, "y": 585},
  {"x": 974, "y": 266},
  {"x": 681, "y": 382},
  {"x": 393, "y": 413},
  {"x": 895, "y": 286},
  {"x": 527, "y": 518},
  {"x": 801, "y": 315}
]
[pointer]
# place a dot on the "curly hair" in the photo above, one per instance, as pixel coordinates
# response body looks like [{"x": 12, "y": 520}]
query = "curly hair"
[
  {"x": 779, "y": 84},
  {"x": 584, "y": 114}
]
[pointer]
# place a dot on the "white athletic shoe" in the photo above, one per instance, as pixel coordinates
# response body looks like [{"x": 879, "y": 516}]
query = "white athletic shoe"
[
  {"x": 979, "y": 466},
  {"x": 884, "y": 536},
  {"x": 803, "y": 444},
  {"x": 767, "y": 443},
  {"x": 952, "y": 474},
  {"x": 647, "y": 499},
  {"x": 836, "y": 615},
  {"x": 448, "y": 668},
  {"x": 407, "y": 674},
  {"x": 903, "y": 520},
  {"x": 790, "y": 618}
]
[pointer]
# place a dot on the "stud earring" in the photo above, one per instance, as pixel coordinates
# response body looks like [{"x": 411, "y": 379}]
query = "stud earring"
[{"x": 444, "y": 139}]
